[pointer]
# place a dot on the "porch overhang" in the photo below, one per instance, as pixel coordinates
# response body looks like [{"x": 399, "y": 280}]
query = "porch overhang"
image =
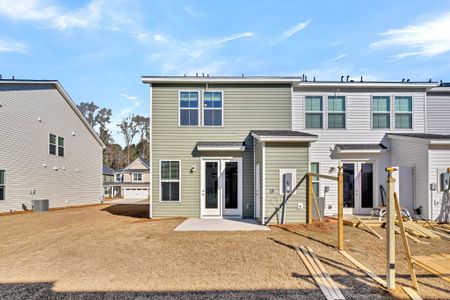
[
  {"x": 283, "y": 136},
  {"x": 220, "y": 146},
  {"x": 360, "y": 148}
]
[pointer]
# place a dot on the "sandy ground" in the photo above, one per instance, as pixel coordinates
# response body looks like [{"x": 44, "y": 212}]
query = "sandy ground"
[{"x": 114, "y": 252}]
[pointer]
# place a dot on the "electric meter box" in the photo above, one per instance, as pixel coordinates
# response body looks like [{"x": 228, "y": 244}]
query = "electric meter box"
[{"x": 445, "y": 182}]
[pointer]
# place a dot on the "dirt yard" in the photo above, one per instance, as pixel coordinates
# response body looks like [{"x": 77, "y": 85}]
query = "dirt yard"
[{"x": 114, "y": 252}]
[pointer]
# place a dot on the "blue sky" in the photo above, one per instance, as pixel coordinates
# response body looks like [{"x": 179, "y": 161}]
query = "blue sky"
[{"x": 99, "y": 49}]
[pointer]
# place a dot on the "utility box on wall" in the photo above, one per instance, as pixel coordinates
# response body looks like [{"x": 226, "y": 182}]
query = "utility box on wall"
[{"x": 445, "y": 182}]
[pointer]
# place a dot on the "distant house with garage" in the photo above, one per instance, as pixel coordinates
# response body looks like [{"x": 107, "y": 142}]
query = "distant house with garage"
[
  {"x": 48, "y": 150},
  {"x": 130, "y": 182}
]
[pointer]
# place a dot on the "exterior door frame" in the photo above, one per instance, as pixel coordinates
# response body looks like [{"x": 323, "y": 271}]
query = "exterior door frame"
[
  {"x": 358, "y": 209},
  {"x": 220, "y": 212}
]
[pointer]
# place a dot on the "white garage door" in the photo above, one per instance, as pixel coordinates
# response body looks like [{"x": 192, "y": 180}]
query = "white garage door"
[{"x": 135, "y": 193}]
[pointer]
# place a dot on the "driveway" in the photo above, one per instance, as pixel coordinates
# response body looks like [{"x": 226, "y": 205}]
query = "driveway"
[{"x": 129, "y": 201}]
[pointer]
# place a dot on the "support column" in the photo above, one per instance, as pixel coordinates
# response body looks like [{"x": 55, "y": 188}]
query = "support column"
[
  {"x": 340, "y": 208},
  {"x": 390, "y": 230}
]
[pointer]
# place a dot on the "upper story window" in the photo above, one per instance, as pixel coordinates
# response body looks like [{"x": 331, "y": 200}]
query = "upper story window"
[
  {"x": 314, "y": 112},
  {"x": 55, "y": 145},
  {"x": 381, "y": 107},
  {"x": 189, "y": 108},
  {"x": 336, "y": 112},
  {"x": 118, "y": 177},
  {"x": 52, "y": 144},
  {"x": 170, "y": 180},
  {"x": 137, "y": 177},
  {"x": 60, "y": 146},
  {"x": 2, "y": 185},
  {"x": 212, "y": 108},
  {"x": 403, "y": 112}
]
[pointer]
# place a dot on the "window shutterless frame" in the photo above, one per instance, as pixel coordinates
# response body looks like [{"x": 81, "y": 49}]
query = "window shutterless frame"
[
  {"x": 199, "y": 104},
  {"x": 136, "y": 177},
  {"x": 3, "y": 184},
  {"x": 376, "y": 112},
  {"x": 169, "y": 180},
  {"x": 52, "y": 144},
  {"x": 408, "y": 113},
  {"x": 315, "y": 180},
  {"x": 222, "y": 108},
  {"x": 337, "y": 112},
  {"x": 312, "y": 112}
]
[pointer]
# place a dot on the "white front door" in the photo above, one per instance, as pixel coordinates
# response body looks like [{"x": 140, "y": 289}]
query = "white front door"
[
  {"x": 221, "y": 187},
  {"x": 359, "y": 183}
]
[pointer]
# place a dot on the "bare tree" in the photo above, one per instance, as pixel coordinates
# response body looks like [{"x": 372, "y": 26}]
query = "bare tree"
[
  {"x": 88, "y": 110},
  {"x": 103, "y": 118},
  {"x": 129, "y": 130},
  {"x": 143, "y": 125}
]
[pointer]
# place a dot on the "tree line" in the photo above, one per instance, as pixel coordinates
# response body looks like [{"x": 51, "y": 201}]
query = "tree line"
[{"x": 133, "y": 127}]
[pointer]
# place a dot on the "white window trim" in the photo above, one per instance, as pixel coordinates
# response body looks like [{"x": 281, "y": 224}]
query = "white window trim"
[
  {"x": 214, "y": 108},
  {"x": 185, "y": 108},
  {"x": 314, "y": 112},
  {"x": 373, "y": 112},
  {"x": 337, "y": 112},
  {"x": 58, "y": 146},
  {"x": 161, "y": 181},
  {"x": 4, "y": 185},
  {"x": 411, "y": 112},
  {"x": 136, "y": 173}
]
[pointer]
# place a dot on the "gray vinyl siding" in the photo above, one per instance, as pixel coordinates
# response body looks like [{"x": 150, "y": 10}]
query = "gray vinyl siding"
[
  {"x": 24, "y": 149},
  {"x": 358, "y": 131},
  {"x": 246, "y": 107},
  {"x": 279, "y": 156},
  {"x": 438, "y": 112},
  {"x": 414, "y": 153},
  {"x": 439, "y": 158}
]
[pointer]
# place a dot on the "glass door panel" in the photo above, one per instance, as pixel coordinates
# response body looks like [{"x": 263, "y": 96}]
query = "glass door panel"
[
  {"x": 366, "y": 185},
  {"x": 231, "y": 185},
  {"x": 211, "y": 184},
  {"x": 349, "y": 185}
]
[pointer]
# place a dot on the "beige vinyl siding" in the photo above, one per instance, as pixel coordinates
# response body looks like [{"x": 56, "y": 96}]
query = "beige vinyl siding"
[
  {"x": 279, "y": 156},
  {"x": 136, "y": 165},
  {"x": 24, "y": 150},
  {"x": 259, "y": 161},
  {"x": 246, "y": 107}
]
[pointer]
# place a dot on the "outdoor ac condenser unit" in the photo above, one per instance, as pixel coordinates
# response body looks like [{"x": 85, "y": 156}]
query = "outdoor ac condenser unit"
[{"x": 40, "y": 205}]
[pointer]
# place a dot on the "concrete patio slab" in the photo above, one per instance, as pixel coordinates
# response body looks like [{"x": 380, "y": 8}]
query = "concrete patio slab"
[{"x": 195, "y": 224}]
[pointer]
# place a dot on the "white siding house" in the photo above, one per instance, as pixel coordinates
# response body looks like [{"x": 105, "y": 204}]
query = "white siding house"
[
  {"x": 347, "y": 134},
  {"x": 48, "y": 150},
  {"x": 438, "y": 110}
]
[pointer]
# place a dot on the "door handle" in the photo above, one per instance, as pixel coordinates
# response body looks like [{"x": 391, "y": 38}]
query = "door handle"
[{"x": 203, "y": 192}]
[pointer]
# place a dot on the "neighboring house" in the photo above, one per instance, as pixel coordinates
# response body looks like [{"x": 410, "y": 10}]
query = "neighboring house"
[
  {"x": 108, "y": 179},
  {"x": 48, "y": 150},
  {"x": 131, "y": 182},
  {"x": 220, "y": 145}
]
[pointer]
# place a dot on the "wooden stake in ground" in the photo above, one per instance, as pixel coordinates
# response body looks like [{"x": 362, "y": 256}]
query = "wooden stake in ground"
[
  {"x": 405, "y": 243},
  {"x": 310, "y": 193},
  {"x": 340, "y": 209},
  {"x": 390, "y": 230}
]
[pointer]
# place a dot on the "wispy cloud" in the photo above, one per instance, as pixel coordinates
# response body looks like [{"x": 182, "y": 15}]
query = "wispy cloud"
[
  {"x": 291, "y": 31},
  {"x": 337, "y": 57},
  {"x": 96, "y": 14},
  {"x": 179, "y": 56},
  {"x": 192, "y": 12},
  {"x": 8, "y": 45},
  {"x": 426, "y": 39}
]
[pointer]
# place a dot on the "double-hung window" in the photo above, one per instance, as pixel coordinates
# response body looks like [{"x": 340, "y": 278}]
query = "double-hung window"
[
  {"x": 52, "y": 144},
  {"x": 212, "y": 108},
  {"x": 403, "y": 112},
  {"x": 60, "y": 146},
  {"x": 2, "y": 185},
  {"x": 137, "y": 177},
  {"x": 170, "y": 180},
  {"x": 336, "y": 112},
  {"x": 189, "y": 108},
  {"x": 381, "y": 109},
  {"x": 314, "y": 112},
  {"x": 315, "y": 180}
]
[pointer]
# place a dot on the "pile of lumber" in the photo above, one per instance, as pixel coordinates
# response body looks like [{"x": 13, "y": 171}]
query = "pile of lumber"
[
  {"x": 320, "y": 275},
  {"x": 418, "y": 230},
  {"x": 438, "y": 264}
]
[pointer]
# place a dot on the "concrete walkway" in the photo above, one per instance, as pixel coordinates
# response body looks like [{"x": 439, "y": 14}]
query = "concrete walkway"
[
  {"x": 128, "y": 201},
  {"x": 194, "y": 224}
]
